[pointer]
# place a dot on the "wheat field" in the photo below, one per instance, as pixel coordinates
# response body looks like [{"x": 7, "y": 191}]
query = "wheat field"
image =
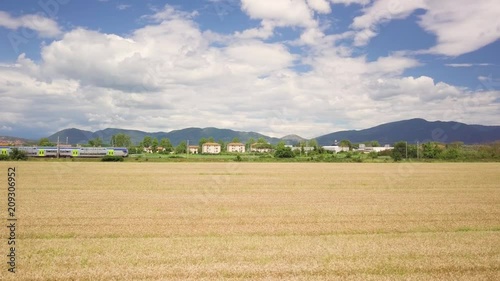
[{"x": 256, "y": 221}]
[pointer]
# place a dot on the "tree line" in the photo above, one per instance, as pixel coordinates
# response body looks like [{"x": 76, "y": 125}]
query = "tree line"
[{"x": 455, "y": 151}]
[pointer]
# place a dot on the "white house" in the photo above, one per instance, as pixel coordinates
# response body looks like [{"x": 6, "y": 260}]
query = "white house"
[
  {"x": 193, "y": 149},
  {"x": 210, "y": 148},
  {"x": 236, "y": 147}
]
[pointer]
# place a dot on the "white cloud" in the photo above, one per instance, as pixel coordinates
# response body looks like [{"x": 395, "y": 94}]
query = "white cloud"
[
  {"x": 45, "y": 27},
  {"x": 320, "y": 6},
  {"x": 392, "y": 65},
  {"x": 122, "y": 7},
  {"x": 271, "y": 13},
  {"x": 349, "y": 2},
  {"x": 462, "y": 26},
  {"x": 265, "y": 31},
  {"x": 467, "y": 64},
  {"x": 297, "y": 12},
  {"x": 382, "y": 11},
  {"x": 169, "y": 13}
]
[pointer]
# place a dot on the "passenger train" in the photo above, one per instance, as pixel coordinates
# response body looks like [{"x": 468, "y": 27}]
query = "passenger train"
[{"x": 80, "y": 152}]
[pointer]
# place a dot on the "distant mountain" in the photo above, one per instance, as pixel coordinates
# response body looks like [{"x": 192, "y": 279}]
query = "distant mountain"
[
  {"x": 420, "y": 130},
  {"x": 76, "y": 136},
  {"x": 412, "y": 130},
  {"x": 292, "y": 139},
  {"x": 72, "y": 136}
]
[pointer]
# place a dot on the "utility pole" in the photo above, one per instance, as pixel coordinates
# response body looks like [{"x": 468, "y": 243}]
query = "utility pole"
[
  {"x": 187, "y": 149},
  {"x": 406, "y": 150},
  {"x": 57, "y": 147},
  {"x": 417, "y": 150}
]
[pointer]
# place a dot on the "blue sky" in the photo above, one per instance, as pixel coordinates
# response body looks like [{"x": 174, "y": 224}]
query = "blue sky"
[{"x": 307, "y": 67}]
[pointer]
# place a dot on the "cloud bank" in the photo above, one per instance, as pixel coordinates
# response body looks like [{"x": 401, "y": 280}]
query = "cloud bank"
[{"x": 170, "y": 74}]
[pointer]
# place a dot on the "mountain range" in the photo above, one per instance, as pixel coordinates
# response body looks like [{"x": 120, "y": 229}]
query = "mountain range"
[
  {"x": 413, "y": 130},
  {"x": 193, "y": 135}
]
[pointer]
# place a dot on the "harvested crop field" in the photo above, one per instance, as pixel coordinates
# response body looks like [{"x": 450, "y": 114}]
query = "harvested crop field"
[{"x": 272, "y": 221}]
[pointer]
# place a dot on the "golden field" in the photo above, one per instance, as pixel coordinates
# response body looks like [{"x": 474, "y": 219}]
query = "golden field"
[{"x": 270, "y": 221}]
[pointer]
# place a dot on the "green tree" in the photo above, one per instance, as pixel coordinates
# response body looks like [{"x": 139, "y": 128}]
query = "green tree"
[
  {"x": 181, "y": 148},
  {"x": 399, "y": 151},
  {"x": 249, "y": 143},
  {"x": 211, "y": 139},
  {"x": 235, "y": 140},
  {"x": 201, "y": 142},
  {"x": 345, "y": 143},
  {"x": 97, "y": 142},
  {"x": 154, "y": 145},
  {"x": 121, "y": 140},
  {"x": 412, "y": 151},
  {"x": 451, "y": 153},
  {"x": 45, "y": 142},
  {"x": 314, "y": 143},
  {"x": 431, "y": 150},
  {"x": 167, "y": 145},
  {"x": 17, "y": 155},
  {"x": 261, "y": 140},
  {"x": 374, "y": 143},
  {"x": 302, "y": 148},
  {"x": 222, "y": 145},
  {"x": 282, "y": 151},
  {"x": 147, "y": 141}
]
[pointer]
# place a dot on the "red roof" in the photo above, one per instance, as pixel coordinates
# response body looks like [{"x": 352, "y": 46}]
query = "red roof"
[
  {"x": 211, "y": 144},
  {"x": 235, "y": 144}
]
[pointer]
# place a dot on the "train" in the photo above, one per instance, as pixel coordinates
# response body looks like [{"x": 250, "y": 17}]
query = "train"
[{"x": 67, "y": 152}]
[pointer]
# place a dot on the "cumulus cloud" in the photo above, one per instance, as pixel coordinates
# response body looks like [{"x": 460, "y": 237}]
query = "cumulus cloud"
[
  {"x": 299, "y": 13},
  {"x": 320, "y": 6},
  {"x": 461, "y": 26},
  {"x": 45, "y": 27},
  {"x": 381, "y": 11}
]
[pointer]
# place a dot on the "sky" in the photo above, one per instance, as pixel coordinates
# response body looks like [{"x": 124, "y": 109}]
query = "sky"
[{"x": 277, "y": 67}]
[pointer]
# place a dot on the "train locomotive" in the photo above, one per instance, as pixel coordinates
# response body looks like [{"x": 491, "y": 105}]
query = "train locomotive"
[{"x": 67, "y": 152}]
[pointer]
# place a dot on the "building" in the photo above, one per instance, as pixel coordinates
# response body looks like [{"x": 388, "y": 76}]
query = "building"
[
  {"x": 382, "y": 148},
  {"x": 194, "y": 149},
  {"x": 367, "y": 149},
  {"x": 306, "y": 148},
  {"x": 236, "y": 147},
  {"x": 336, "y": 148},
  {"x": 5, "y": 142},
  {"x": 211, "y": 148},
  {"x": 260, "y": 147}
]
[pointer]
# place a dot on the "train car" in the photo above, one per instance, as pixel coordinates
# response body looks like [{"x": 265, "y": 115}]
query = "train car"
[
  {"x": 78, "y": 152},
  {"x": 99, "y": 151}
]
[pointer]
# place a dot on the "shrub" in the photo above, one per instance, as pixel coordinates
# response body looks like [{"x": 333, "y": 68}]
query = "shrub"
[
  {"x": 284, "y": 152},
  {"x": 176, "y": 156},
  {"x": 17, "y": 155}
]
